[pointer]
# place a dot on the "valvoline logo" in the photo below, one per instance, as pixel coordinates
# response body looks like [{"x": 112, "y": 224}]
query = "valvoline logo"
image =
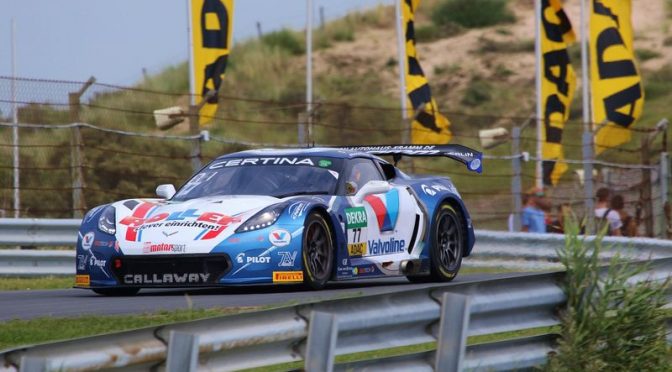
[
  {"x": 386, "y": 211},
  {"x": 280, "y": 238}
]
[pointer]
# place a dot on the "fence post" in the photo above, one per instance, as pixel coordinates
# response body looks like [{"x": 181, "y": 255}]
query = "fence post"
[
  {"x": 664, "y": 190},
  {"x": 182, "y": 353},
  {"x": 516, "y": 181},
  {"x": 194, "y": 130},
  {"x": 76, "y": 145},
  {"x": 301, "y": 126},
  {"x": 646, "y": 189},
  {"x": 453, "y": 329},
  {"x": 588, "y": 159},
  {"x": 321, "y": 342}
]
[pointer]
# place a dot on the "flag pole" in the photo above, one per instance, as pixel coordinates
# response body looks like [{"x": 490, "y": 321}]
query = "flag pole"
[
  {"x": 540, "y": 121},
  {"x": 15, "y": 128},
  {"x": 587, "y": 110},
  {"x": 190, "y": 45},
  {"x": 309, "y": 67},
  {"x": 401, "y": 50}
]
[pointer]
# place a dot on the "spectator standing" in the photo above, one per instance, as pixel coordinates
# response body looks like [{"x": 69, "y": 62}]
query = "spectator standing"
[
  {"x": 534, "y": 218},
  {"x": 629, "y": 227},
  {"x": 605, "y": 215}
]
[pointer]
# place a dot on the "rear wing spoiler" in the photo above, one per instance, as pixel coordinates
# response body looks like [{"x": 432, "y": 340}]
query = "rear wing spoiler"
[{"x": 469, "y": 157}]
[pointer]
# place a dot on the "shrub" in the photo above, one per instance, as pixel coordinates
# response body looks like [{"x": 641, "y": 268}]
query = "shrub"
[
  {"x": 646, "y": 54},
  {"x": 477, "y": 92},
  {"x": 286, "y": 40},
  {"x": 492, "y": 46},
  {"x": 609, "y": 324},
  {"x": 472, "y": 13},
  {"x": 433, "y": 32}
]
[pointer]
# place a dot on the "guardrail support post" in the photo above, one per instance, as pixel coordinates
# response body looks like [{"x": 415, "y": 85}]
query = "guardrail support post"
[
  {"x": 452, "y": 336},
  {"x": 182, "y": 352},
  {"x": 321, "y": 342},
  {"x": 516, "y": 182},
  {"x": 33, "y": 364}
]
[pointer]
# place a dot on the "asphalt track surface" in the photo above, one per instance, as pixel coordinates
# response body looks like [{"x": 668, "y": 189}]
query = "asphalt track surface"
[{"x": 76, "y": 302}]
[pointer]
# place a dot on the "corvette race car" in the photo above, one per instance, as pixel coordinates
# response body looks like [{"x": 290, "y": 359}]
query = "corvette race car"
[{"x": 283, "y": 216}]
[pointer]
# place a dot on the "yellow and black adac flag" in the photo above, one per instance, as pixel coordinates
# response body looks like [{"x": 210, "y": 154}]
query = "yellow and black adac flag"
[
  {"x": 617, "y": 93},
  {"x": 212, "y": 35},
  {"x": 558, "y": 82},
  {"x": 429, "y": 127}
]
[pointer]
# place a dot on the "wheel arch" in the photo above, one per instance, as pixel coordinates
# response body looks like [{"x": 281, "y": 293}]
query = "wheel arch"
[{"x": 459, "y": 207}]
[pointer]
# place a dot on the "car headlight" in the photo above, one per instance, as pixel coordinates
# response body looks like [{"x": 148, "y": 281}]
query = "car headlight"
[
  {"x": 106, "y": 221},
  {"x": 264, "y": 218}
]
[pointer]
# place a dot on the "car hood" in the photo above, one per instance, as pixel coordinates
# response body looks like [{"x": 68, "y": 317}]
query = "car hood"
[{"x": 154, "y": 226}]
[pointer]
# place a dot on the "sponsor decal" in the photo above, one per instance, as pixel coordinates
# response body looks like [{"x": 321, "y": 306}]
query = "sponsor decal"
[
  {"x": 287, "y": 258},
  {"x": 167, "y": 234},
  {"x": 435, "y": 188},
  {"x": 81, "y": 262},
  {"x": 172, "y": 278},
  {"x": 94, "y": 262},
  {"x": 296, "y": 210},
  {"x": 357, "y": 249},
  {"x": 392, "y": 246},
  {"x": 355, "y": 271},
  {"x": 241, "y": 258},
  {"x": 87, "y": 240},
  {"x": 355, "y": 218},
  {"x": 287, "y": 276},
  {"x": 280, "y": 237},
  {"x": 427, "y": 190},
  {"x": 261, "y": 161},
  {"x": 324, "y": 163},
  {"x": 102, "y": 243},
  {"x": 82, "y": 280},
  {"x": 475, "y": 164},
  {"x": 387, "y": 211},
  {"x": 214, "y": 222},
  {"x": 149, "y": 247},
  {"x": 116, "y": 246}
]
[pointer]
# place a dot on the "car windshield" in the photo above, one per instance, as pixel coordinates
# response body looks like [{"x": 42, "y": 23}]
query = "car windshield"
[{"x": 273, "y": 176}]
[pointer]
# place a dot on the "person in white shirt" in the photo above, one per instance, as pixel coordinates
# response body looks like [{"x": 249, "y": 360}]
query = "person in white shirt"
[{"x": 605, "y": 215}]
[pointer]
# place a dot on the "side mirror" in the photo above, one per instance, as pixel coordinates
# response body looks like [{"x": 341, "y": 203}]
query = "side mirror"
[
  {"x": 372, "y": 187},
  {"x": 165, "y": 191}
]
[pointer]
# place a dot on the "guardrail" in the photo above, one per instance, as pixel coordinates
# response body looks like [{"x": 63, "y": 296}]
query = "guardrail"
[
  {"x": 516, "y": 251},
  {"x": 316, "y": 333}
]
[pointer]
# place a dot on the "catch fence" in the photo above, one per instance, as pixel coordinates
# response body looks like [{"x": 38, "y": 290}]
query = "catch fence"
[{"x": 82, "y": 144}]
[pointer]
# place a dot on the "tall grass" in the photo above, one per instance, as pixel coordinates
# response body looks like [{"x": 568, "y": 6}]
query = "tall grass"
[{"x": 609, "y": 323}]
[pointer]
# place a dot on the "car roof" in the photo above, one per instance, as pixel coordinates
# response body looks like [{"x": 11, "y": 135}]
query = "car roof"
[{"x": 312, "y": 151}]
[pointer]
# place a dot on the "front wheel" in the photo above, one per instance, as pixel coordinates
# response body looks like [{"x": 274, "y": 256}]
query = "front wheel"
[
  {"x": 447, "y": 246},
  {"x": 317, "y": 251},
  {"x": 116, "y": 292}
]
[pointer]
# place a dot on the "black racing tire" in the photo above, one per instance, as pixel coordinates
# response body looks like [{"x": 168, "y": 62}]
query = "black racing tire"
[
  {"x": 116, "y": 292},
  {"x": 317, "y": 251},
  {"x": 448, "y": 239}
]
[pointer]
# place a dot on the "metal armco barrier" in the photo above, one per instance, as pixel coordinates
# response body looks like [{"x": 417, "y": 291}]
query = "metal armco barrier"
[
  {"x": 38, "y": 232},
  {"x": 516, "y": 251},
  {"x": 315, "y": 334}
]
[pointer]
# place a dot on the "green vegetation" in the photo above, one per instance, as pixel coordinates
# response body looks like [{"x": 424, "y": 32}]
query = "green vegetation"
[
  {"x": 477, "y": 93},
  {"x": 286, "y": 40},
  {"x": 472, "y": 13},
  {"x": 432, "y": 32},
  {"x": 26, "y": 332},
  {"x": 644, "y": 55},
  {"x": 609, "y": 324},
  {"x": 45, "y": 282},
  {"x": 487, "y": 45}
]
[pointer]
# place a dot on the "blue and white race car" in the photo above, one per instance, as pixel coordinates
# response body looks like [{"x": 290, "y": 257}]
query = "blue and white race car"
[{"x": 283, "y": 216}]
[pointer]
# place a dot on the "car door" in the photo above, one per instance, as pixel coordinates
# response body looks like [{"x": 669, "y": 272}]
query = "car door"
[{"x": 380, "y": 228}]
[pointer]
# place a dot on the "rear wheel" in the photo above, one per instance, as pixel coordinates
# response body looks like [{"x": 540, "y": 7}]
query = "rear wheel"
[
  {"x": 447, "y": 246},
  {"x": 317, "y": 252},
  {"x": 116, "y": 291}
]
